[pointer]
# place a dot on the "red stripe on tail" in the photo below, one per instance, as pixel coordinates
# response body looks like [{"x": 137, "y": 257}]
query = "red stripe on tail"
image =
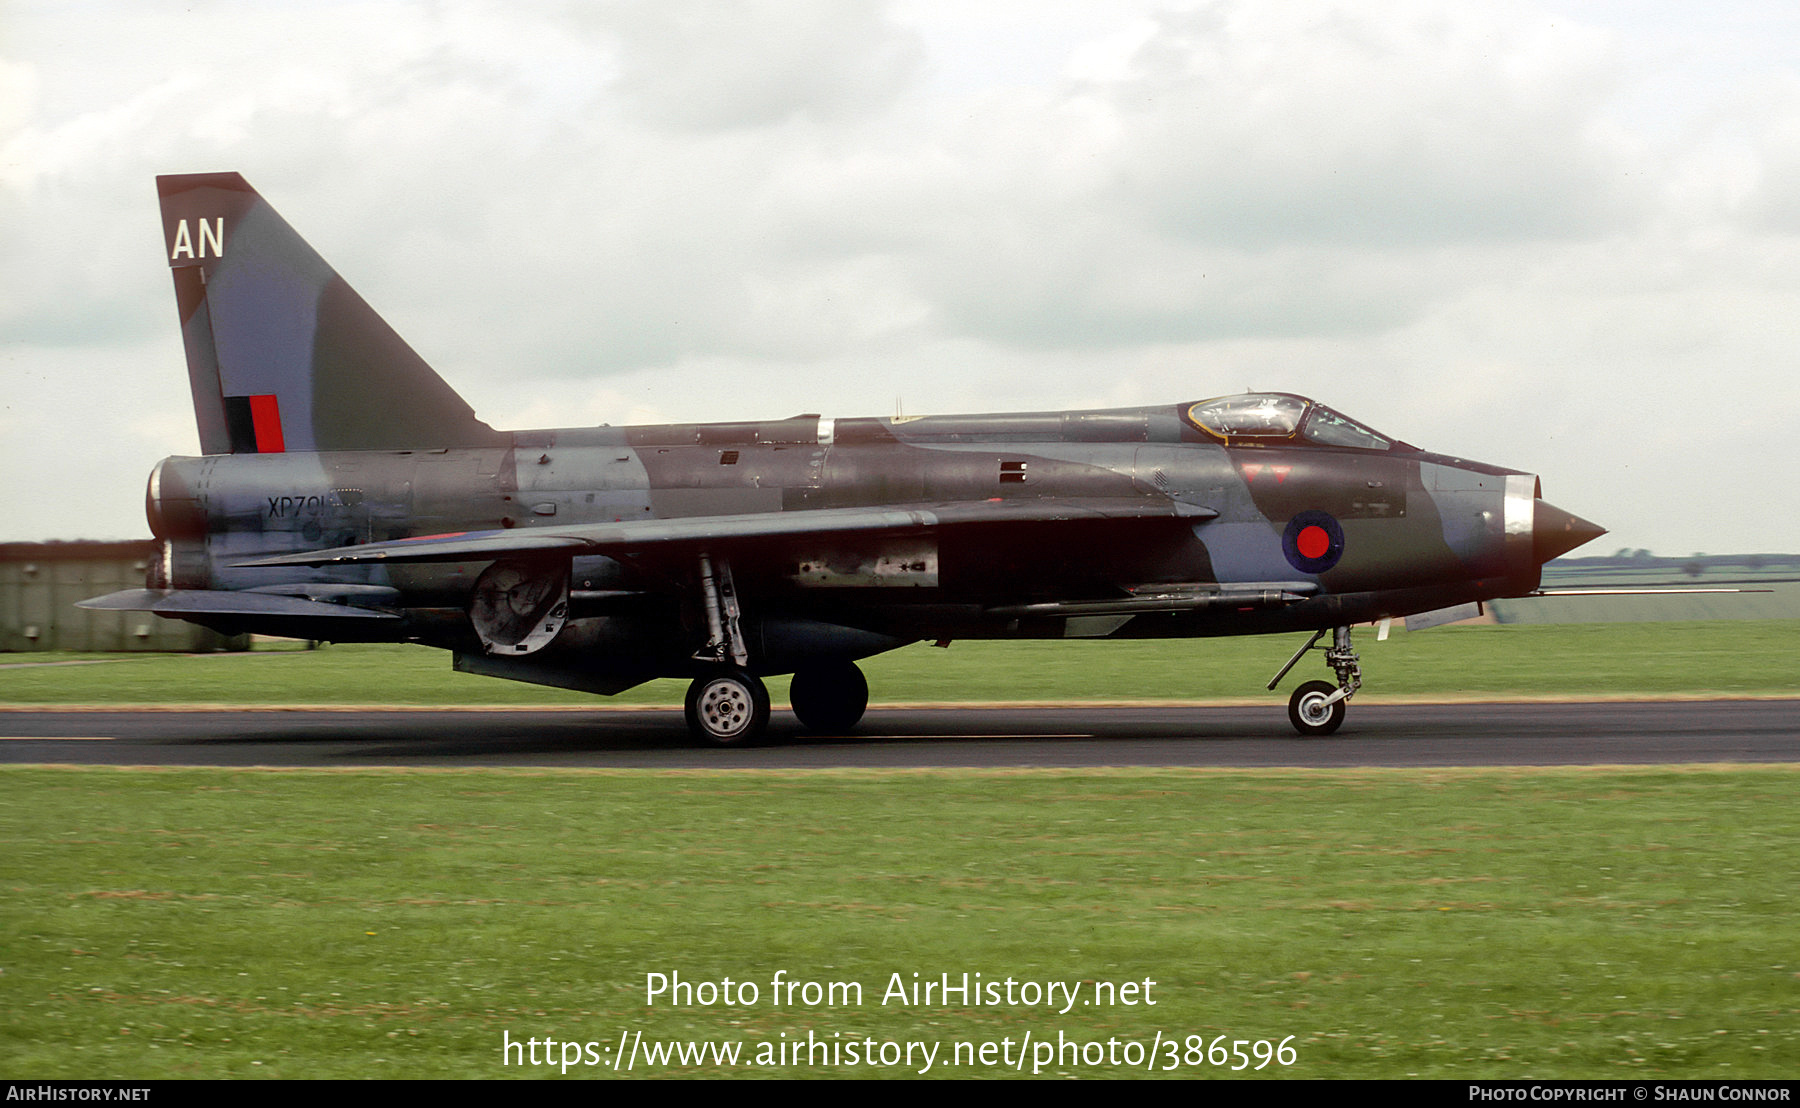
[{"x": 265, "y": 416}]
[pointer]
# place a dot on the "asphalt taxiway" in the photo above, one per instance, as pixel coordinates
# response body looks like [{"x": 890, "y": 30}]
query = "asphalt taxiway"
[{"x": 1464, "y": 734}]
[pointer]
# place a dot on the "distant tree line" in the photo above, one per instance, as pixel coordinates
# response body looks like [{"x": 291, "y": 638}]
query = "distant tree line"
[{"x": 1692, "y": 565}]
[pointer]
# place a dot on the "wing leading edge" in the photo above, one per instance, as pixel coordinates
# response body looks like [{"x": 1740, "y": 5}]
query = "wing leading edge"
[{"x": 625, "y": 537}]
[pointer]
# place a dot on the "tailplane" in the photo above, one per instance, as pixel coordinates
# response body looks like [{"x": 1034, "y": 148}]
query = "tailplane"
[{"x": 282, "y": 354}]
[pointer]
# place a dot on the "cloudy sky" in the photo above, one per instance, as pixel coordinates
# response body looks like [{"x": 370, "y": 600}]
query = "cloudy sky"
[{"x": 1563, "y": 237}]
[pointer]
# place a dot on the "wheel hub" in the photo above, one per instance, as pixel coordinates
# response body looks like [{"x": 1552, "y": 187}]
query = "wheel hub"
[
  {"x": 1315, "y": 709},
  {"x": 725, "y": 708}
]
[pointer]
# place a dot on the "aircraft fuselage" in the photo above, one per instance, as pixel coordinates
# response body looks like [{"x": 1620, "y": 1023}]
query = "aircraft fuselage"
[{"x": 1419, "y": 531}]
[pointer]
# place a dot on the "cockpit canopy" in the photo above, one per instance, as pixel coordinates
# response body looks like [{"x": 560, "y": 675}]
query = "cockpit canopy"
[{"x": 1279, "y": 418}]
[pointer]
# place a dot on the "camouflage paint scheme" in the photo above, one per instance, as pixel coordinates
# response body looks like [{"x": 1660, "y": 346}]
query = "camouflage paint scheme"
[{"x": 348, "y": 494}]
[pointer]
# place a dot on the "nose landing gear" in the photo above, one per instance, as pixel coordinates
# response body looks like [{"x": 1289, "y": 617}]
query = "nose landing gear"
[{"x": 1317, "y": 708}]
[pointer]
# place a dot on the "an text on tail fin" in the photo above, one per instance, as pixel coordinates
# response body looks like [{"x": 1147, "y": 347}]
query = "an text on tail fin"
[{"x": 282, "y": 353}]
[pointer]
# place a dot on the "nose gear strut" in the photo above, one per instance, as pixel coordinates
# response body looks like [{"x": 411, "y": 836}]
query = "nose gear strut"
[{"x": 1316, "y": 709}]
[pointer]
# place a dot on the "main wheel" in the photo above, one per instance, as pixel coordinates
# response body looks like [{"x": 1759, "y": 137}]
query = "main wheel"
[
  {"x": 1309, "y": 712},
  {"x": 829, "y": 698},
  {"x": 728, "y": 708}
]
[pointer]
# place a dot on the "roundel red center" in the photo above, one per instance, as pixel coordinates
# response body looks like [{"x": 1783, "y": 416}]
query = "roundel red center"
[{"x": 1312, "y": 542}]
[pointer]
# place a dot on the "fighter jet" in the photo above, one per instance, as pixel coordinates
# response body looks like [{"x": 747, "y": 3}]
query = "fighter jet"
[{"x": 348, "y": 494}]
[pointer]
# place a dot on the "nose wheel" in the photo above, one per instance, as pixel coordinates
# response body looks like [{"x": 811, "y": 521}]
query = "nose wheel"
[{"x": 1317, "y": 708}]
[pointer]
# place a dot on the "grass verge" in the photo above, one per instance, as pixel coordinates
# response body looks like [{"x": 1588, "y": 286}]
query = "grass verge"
[
  {"x": 1443, "y": 923},
  {"x": 1723, "y": 658}
]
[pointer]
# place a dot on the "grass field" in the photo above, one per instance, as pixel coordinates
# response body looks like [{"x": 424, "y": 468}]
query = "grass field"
[
  {"x": 1498, "y": 923},
  {"x": 1446, "y": 923},
  {"x": 1731, "y": 658}
]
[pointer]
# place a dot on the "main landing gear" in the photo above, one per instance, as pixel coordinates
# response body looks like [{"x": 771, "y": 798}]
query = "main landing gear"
[
  {"x": 1317, "y": 708},
  {"x": 729, "y": 706},
  {"x": 829, "y": 698}
]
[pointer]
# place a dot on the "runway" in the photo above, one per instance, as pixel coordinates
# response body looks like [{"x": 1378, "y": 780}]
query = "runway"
[{"x": 1515, "y": 734}]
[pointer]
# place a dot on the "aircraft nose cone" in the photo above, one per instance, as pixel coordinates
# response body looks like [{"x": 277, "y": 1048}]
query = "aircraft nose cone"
[{"x": 1554, "y": 531}]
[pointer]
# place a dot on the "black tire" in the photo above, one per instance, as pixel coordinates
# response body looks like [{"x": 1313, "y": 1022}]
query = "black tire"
[
  {"x": 1309, "y": 714},
  {"x": 729, "y": 708},
  {"x": 831, "y": 698}
]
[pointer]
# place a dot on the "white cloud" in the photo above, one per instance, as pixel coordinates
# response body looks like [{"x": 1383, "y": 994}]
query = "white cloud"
[
  {"x": 1487, "y": 227},
  {"x": 703, "y": 66}
]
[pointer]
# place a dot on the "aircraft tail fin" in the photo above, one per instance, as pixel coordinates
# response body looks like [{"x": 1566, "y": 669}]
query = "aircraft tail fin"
[{"x": 282, "y": 354}]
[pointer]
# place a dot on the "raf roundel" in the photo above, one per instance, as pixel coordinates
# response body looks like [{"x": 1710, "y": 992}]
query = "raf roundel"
[{"x": 1313, "y": 542}]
